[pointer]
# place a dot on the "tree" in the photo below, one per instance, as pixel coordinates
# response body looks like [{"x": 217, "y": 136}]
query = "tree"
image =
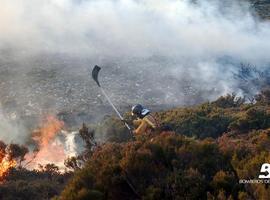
[{"x": 16, "y": 151}]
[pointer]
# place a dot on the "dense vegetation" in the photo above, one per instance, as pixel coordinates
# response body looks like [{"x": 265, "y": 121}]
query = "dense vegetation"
[
  {"x": 208, "y": 149},
  {"x": 35, "y": 184},
  {"x": 211, "y": 147}
]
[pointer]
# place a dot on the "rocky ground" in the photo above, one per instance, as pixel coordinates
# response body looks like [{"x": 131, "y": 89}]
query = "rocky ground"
[
  {"x": 33, "y": 85},
  {"x": 62, "y": 85}
]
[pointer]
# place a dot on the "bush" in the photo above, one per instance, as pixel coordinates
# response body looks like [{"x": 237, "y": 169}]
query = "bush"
[{"x": 164, "y": 167}]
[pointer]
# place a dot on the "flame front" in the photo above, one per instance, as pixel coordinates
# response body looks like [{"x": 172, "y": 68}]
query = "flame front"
[
  {"x": 5, "y": 165},
  {"x": 48, "y": 131},
  {"x": 49, "y": 151}
]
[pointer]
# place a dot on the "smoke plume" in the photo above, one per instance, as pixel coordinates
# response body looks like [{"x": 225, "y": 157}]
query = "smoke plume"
[{"x": 152, "y": 52}]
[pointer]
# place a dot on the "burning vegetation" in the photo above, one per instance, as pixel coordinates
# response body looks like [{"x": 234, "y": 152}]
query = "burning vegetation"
[
  {"x": 200, "y": 151},
  {"x": 50, "y": 127},
  {"x": 211, "y": 146},
  {"x": 10, "y": 156},
  {"x": 6, "y": 164},
  {"x": 47, "y": 148}
]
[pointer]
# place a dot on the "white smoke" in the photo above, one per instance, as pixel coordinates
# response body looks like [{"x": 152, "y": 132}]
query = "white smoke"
[
  {"x": 165, "y": 50},
  {"x": 73, "y": 144},
  {"x": 11, "y": 130},
  {"x": 135, "y": 28}
]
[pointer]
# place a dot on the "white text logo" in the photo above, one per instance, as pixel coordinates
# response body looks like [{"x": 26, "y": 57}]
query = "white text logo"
[{"x": 265, "y": 169}]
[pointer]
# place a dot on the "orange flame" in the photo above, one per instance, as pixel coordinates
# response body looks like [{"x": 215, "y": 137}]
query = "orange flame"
[
  {"x": 49, "y": 150},
  {"x": 5, "y": 165},
  {"x": 48, "y": 131}
]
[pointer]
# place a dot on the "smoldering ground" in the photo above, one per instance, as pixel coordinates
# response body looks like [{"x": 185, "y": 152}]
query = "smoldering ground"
[{"x": 153, "y": 52}]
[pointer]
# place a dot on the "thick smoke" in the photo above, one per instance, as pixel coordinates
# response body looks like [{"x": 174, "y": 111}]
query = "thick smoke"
[
  {"x": 153, "y": 52},
  {"x": 132, "y": 28}
]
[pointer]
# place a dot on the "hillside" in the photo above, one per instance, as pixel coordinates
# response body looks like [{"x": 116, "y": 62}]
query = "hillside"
[
  {"x": 209, "y": 148},
  {"x": 262, "y": 7},
  {"x": 34, "y": 82},
  {"x": 232, "y": 143},
  {"x": 201, "y": 67}
]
